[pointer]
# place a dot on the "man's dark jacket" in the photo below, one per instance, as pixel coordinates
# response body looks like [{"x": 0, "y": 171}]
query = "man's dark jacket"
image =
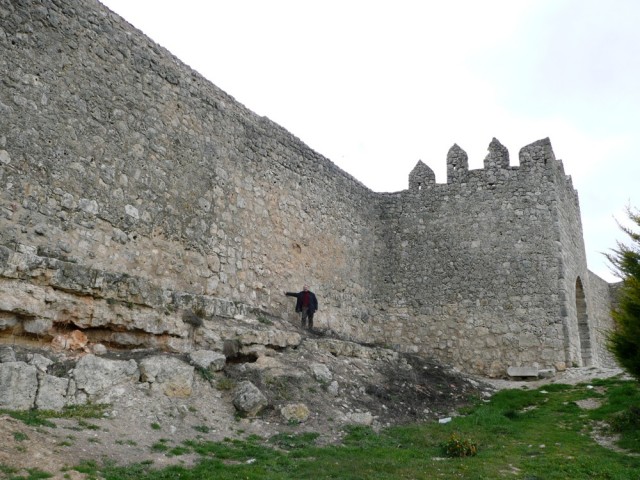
[{"x": 313, "y": 301}]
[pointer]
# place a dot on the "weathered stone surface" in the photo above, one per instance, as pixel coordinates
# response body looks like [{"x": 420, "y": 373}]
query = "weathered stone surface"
[
  {"x": 98, "y": 349},
  {"x": 334, "y": 388},
  {"x": 547, "y": 373},
  {"x": 93, "y": 375},
  {"x": 52, "y": 392},
  {"x": 18, "y": 385},
  {"x": 297, "y": 412},
  {"x": 169, "y": 375},
  {"x": 522, "y": 371},
  {"x": 361, "y": 418},
  {"x": 75, "y": 340},
  {"x": 37, "y": 326},
  {"x": 208, "y": 360},
  {"x": 8, "y": 321},
  {"x": 248, "y": 399},
  {"x": 276, "y": 338},
  {"x": 7, "y": 354},
  {"x": 39, "y": 361},
  {"x": 321, "y": 372}
]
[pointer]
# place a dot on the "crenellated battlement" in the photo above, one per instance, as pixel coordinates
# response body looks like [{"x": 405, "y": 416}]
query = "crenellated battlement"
[{"x": 536, "y": 160}]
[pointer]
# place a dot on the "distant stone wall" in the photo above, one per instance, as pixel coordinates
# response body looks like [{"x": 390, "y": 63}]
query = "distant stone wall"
[{"x": 135, "y": 192}]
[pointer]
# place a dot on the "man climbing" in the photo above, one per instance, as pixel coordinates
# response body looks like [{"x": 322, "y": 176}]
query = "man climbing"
[{"x": 306, "y": 305}]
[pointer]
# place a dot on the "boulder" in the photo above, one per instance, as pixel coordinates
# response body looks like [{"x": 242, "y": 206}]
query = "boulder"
[
  {"x": 208, "y": 360},
  {"x": 39, "y": 361},
  {"x": 168, "y": 375},
  {"x": 333, "y": 388},
  {"x": 18, "y": 385},
  {"x": 295, "y": 412},
  {"x": 94, "y": 375},
  {"x": 321, "y": 373},
  {"x": 248, "y": 399},
  {"x": 52, "y": 393},
  {"x": 361, "y": 418}
]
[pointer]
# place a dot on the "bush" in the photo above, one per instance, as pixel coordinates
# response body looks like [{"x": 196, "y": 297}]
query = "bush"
[
  {"x": 624, "y": 340},
  {"x": 626, "y": 421},
  {"x": 456, "y": 447}
]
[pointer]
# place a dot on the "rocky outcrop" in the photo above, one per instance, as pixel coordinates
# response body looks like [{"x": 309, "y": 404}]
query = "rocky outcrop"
[
  {"x": 282, "y": 377},
  {"x": 18, "y": 385},
  {"x": 74, "y": 307}
]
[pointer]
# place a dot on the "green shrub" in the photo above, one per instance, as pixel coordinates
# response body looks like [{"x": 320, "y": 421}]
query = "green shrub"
[
  {"x": 457, "y": 447},
  {"x": 225, "y": 384},
  {"x": 626, "y": 421}
]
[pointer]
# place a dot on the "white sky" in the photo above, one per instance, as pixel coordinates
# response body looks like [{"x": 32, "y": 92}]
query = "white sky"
[{"x": 377, "y": 85}]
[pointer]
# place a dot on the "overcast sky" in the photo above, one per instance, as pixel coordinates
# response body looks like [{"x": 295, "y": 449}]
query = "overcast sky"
[{"x": 376, "y": 86}]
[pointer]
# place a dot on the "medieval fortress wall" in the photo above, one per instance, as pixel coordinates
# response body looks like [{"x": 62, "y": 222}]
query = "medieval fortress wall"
[
  {"x": 482, "y": 271},
  {"x": 134, "y": 190}
]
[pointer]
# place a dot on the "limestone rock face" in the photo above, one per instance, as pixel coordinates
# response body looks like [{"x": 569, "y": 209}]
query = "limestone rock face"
[
  {"x": 93, "y": 375},
  {"x": 19, "y": 385},
  {"x": 7, "y": 354},
  {"x": 321, "y": 373},
  {"x": 168, "y": 375},
  {"x": 208, "y": 360},
  {"x": 248, "y": 399},
  {"x": 276, "y": 338},
  {"x": 75, "y": 340},
  {"x": 52, "y": 393}
]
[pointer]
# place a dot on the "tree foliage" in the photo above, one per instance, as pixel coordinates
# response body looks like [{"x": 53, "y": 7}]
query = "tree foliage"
[{"x": 624, "y": 339}]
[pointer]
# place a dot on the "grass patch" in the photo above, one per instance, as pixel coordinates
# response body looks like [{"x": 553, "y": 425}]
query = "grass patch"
[
  {"x": 131, "y": 443},
  {"x": 205, "y": 373},
  {"x": 20, "y": 437},
  {"x": 295, "y": 441},
  {"x": 225, "y": 384},
  {"x": 159, "y": 447},
  {"x": 537, "y": 434},
  {"x": 41, "y": 418},
  {"x": 11, "y": 473},
  {"x": 86, "y": 425}
]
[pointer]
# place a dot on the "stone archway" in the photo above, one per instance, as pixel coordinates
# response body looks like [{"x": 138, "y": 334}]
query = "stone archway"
[{"x": 583, "y": 324}]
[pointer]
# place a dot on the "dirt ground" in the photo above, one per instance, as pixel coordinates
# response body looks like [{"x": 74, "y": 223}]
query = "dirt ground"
[{"x": 372, "y": 391}]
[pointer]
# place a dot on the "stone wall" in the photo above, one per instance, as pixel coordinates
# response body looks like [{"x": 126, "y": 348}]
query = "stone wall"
[
  {"x": 136, "y": 194},
  {"x": 117, "y": 155}
]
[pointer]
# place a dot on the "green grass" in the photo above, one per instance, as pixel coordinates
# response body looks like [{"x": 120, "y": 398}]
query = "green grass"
[
  {"x": 538, "y": 434},
  {"x": 42, "y": 417},
  {"x": 10, "y": 473}
]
